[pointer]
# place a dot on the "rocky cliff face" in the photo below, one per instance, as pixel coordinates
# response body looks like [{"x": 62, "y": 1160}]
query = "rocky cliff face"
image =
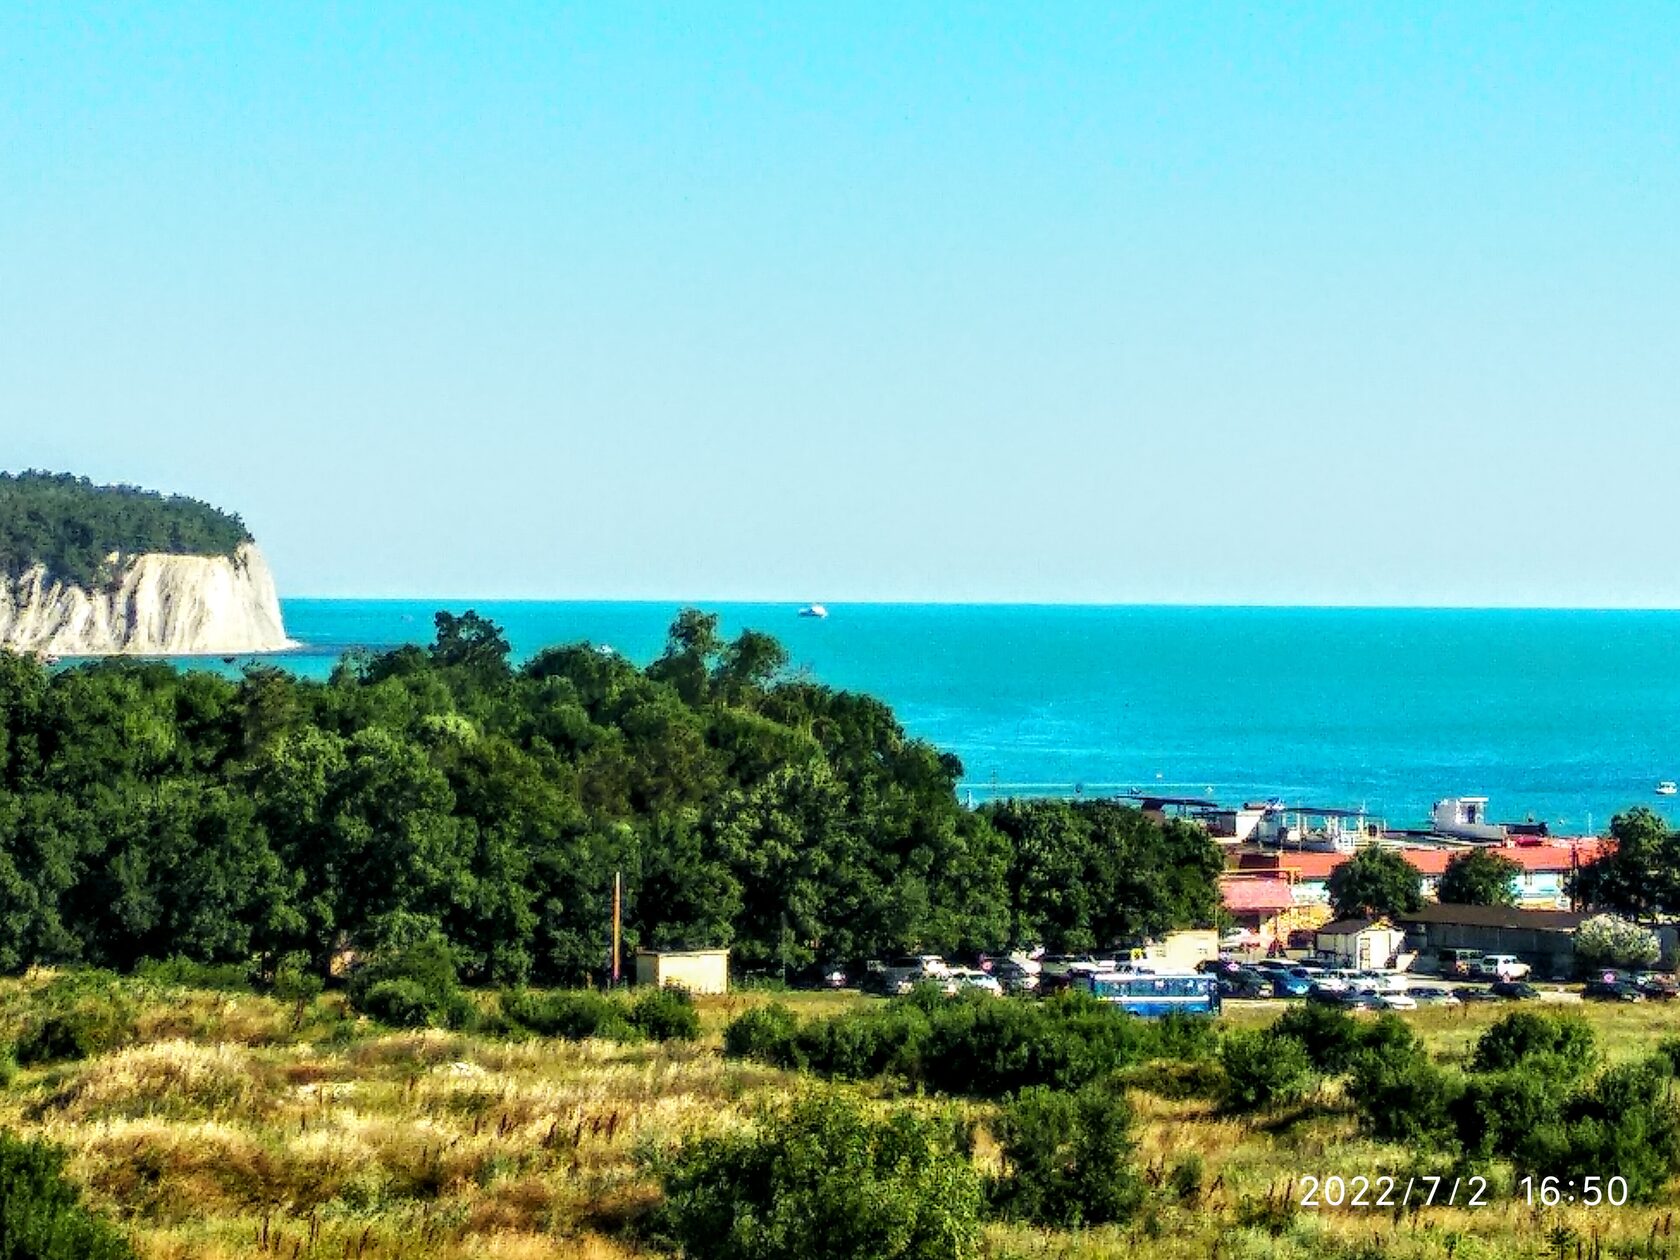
[{"x": 159, "y": 605}]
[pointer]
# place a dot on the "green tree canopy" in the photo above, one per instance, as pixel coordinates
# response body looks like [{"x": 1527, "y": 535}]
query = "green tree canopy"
[
  {"x": 71, "y": 526},
  {"x": 1479, "y": 877},
  {"x": 1640, "y": 877},
  {"x": 1375, "y": 881},
  {"x": 442, "y": 792}
]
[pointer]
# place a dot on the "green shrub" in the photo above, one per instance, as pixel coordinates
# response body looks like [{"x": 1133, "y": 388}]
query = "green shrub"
[
  {"x": 1263, "y": 1070},
  {"x": 79, "y": 1015},
  {"x": 1330, "y": 1037},
  {"x": 1187, "y": 1179},
  {"x": 665, "y": 1014},
  {"x": 1498, "y": 1111},
  {"x": 1544, "y": 1043},
  {"x": 1626, "y": 1123},
  {"x": 822, "y": 1179},
  {"x": 184, "y": 973},
  {"x": 1403, "y": 1097},
  {"x": 1067, "y": 1157},
  {"x": 574, "y": 1016},
  {"x": 41, "y": 1214},
  {"x": 1176, "y": 1079},
  {"x": 412, "y": 987},
  {"x": 769, "y": 1034},
  {"x": 979, "y": 1045}
]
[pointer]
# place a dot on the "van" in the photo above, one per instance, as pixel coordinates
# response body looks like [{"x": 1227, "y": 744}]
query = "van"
[
  {"x": 1502, "y": 967},
  {"x": 1460, "y": 962}
]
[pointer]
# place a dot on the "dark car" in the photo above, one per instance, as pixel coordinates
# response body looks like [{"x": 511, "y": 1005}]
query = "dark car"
[
  {"x": 1657, "y": 987},
  {"x": 1467, "y": 994},
  {"x": 1288, "y": 984},
  {"x": 1611, "y": 991},
  {"x": 1513, "y": 990},
  {"x": 829, "y": 975},
  {"x": 1219, "y": 966},
  {"x": 1346, "y": 999},
  {"x": 1242, "y": 985}
]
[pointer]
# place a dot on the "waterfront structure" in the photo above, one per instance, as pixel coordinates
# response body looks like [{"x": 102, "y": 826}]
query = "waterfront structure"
[
  {"x": 1273, "y": 893},
  {"x": 1466, "y": 818},
  {"x": 1545, "y": 939},
  {"x": 1362, "y": 944}
]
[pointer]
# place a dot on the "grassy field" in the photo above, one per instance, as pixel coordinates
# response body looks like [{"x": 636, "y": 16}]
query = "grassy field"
[{"x": 236, "y": 1125}]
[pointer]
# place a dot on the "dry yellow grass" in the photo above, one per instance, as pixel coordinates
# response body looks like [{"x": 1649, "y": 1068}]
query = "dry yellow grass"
[{"x": 226, "y": 1131}]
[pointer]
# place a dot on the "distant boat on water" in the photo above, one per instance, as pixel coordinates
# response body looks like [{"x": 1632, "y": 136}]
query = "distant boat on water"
[
  {"x": 1668, "y": 787},
  {"x": 813, "y": 610}
]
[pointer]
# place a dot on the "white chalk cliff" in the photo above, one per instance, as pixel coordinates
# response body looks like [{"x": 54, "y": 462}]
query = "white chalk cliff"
[{"x": 156, "y": 605}]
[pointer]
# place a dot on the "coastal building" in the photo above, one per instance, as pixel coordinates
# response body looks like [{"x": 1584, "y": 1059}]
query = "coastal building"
[
  {"x": 1361, "y": 943},
  {"x": 1466, "y": 818},
  {"x": 1262, "y": 905},
  {"x": 1545, "y": 939},
  {"x": 1541, "y": 881},
  {"x": 1182, "y": 950},
  {"x": 700, "y": 971},
  {"x": 1315, "y": 828}
]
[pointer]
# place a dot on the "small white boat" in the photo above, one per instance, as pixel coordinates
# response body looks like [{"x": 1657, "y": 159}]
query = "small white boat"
[
  {"x": 1668, "y": 787},
  {"x": 813, "y": 610}
]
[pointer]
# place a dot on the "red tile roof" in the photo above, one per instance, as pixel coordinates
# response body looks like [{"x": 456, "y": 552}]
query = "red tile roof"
[
  {"x": 1256, "y": 895},
  {"x": 1532, "y": 858}
]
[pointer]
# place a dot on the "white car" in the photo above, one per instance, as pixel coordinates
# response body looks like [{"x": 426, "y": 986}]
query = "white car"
[
  {"x": 1336, "y": 980},
  {"x": 1433, "y": 995},
  {"x": 1383, "y": 981},
  {"x": 1397, "y": 1001}
]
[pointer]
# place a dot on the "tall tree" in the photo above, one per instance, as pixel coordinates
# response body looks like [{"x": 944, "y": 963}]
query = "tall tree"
[
  {"x": 1479, "y": 877},
  {"x": 1375, "y": 881},
  {"x": 1641, "y": 875}
]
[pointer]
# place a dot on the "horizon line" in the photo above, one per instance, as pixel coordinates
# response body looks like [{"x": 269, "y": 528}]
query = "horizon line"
[{"x": 796, "y": 604}]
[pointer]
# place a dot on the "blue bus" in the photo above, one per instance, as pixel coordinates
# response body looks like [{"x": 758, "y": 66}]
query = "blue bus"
[{"x": 1153, "y": 994}]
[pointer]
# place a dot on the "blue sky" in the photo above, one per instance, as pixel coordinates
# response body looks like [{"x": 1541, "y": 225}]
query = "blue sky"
[{"x": 1324, "y": 304}]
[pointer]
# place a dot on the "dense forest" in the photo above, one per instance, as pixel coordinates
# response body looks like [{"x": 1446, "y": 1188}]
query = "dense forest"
[
  {"x": 71, "y": 526},
  {"x": 444, "y": 792}
]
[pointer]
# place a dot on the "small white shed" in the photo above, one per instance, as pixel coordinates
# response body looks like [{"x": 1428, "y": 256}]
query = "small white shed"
[
  {"x": 1361, "y": 943},
  {"x": 700, "y": 971}
]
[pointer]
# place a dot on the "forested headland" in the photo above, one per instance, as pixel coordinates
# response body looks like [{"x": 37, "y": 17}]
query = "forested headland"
[
  {"x": 71, "y": 526},
  {"x": 444, "y": 792}
]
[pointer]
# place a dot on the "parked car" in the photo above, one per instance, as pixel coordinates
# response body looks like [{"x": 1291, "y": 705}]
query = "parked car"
[
  {"x": 824, "y": 975},
  {"x": 1014, "y": 977},
  {"x": 1500, "y": 967},
  {"x": 1243, "y": 985},
  {"x": 1462, "y": 963},
  {"x": 1059, "y": 966},
  {"x": 1513, "y": 990},
  {"x": 1381, "y": 981},
  {"x": 1433, "y": 995},
  {"x": 1611, "y": 991},
  {"x": 1287, "y": 984},
  {"x": 1467, "y": 994},
  {"x": 917, "y": 968},
  {"x": 879, "y": 980},
  {"x": 1345, "y": 999},
  {"x": 1219, "y": 966},
  {"x": 1396, "y": 1001},
  {"x": 1655, "y": 985},
  {"x": 1329, "y": 981}
]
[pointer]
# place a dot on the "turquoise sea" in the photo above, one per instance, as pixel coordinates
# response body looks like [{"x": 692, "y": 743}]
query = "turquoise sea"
[{"x": 1561, "y": 716}]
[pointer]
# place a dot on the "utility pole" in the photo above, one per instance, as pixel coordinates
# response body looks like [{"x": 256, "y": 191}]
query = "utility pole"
[{"x": 618, "y": 922}]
